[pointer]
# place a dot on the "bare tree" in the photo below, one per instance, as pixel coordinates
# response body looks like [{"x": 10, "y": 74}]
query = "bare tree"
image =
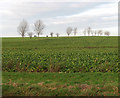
[
  {"x": 92, "y": 32},
  {"x": 75, "y": 31},
  {"x": 99, "y": 32},
  {"x": 84, "y": 32},
  {"x": 38, "y": 27},
  {"x": 107, "y": 33},
  {"x": 89, "y": 30},
  {"x": 51, "y": 33},
  {"x": 95, "y": 33},
  {"x": 23, "y": 28},
  {"x": 57, "y": 34},
  {"x": 35, "y": 36},
  {"x": 69, "y": 30},
  {"x": 30, "y": 34}
]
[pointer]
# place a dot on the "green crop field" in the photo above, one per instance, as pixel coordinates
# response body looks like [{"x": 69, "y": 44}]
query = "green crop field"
[
  {"x": 73, "y": 54},
  {"x": 66, "y": 55}
]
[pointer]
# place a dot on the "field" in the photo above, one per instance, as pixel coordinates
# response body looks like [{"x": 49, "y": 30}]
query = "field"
[
  {"x": 60, "y": 84},
  {"x": 79, "y": 59},
  {"x": 75, "y": 54}
]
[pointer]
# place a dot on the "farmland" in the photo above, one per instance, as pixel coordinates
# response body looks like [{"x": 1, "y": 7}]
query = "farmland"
[
  {"x": 63, "y": 66},
  {"x": 73, "y": 54},
  {"x": 60, "y": 84}
]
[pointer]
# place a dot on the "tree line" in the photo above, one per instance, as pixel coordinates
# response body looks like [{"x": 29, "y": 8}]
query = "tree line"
[{"x": 39, "y": 26}]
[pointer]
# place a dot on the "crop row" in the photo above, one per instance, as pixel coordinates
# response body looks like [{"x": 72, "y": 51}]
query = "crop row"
[{"x": 32, "y": 61}]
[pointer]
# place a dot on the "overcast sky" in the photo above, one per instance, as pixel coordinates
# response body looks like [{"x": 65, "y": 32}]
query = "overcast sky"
[{"x": 57, "y": 16}]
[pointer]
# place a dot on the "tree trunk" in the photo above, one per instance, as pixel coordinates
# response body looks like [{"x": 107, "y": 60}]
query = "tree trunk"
[{"x": 23, "y": 38}]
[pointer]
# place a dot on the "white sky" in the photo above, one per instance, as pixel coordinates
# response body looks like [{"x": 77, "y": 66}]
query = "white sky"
[{"x": 57, "y": 15}]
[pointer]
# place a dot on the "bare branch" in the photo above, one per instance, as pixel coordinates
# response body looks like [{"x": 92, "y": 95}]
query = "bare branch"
[
  {"x": 84, "y": 32},
  {"x": 107, "y": 33},
  {"x": 92, "y": 32},
  {"x": 23, "y": 27},
  {"x": 57, "y": 34},
  {"x": 89, "y": 30},
  {"x": 69, "y": 30},
  {"x": 38, "y": 27},
  {"x": 51, "y": 33},
  {"x": 99, "y": 32},
  {"x": 95, "y": 33},
  {"x": 75, "y": 31}
]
